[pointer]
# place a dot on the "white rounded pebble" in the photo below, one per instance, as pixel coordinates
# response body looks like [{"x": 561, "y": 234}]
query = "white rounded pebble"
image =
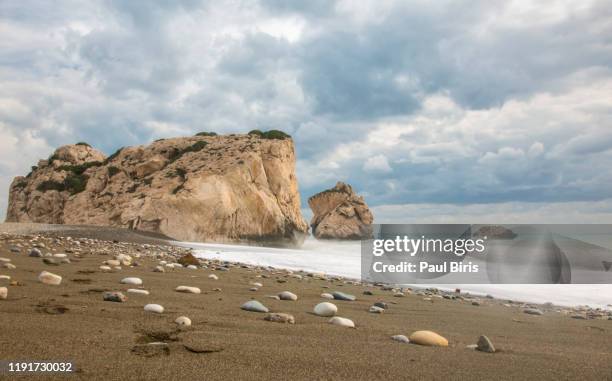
[
  {"x": 325, "y": 309},
  {"x": 49, "y": 278},
  {"x": 5, "y": 277},
  {"x": 60, "y": 255},
  {"x": 10, "y": 266},
  {"x": 3, "y": 293},
  {"x": 192, "y": 267},
  {"x": 183, "y": 321},
  {"x": 400, "y": 338},
  {"x": 287, "y": 295},
  {"x": 188, "y": 290},
  {"x": 105, "y": 268},
  {"x": 343, "y": 322},
  {"x": 256, "y": 284},
  {"x": 137, "y": 291},
  {"x": 327, "y": 295},
  {"x": 213, "y": 276},
  {"x": 131, "y": 280},
  {"x": 154, "y": 308}
]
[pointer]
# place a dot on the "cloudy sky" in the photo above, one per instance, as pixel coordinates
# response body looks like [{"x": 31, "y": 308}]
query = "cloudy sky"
[{"x": 434, "y": 110}]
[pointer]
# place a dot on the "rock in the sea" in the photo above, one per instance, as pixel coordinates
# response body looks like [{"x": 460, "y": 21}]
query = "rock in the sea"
[
  {"x": 485, "y": 345},
  {"x": 254, "y": 306},
  {"x": 533, "y": 311},
  {"x": 3, "y": 293},
  {"x": 327, "y": 295},
  {"x": 34, "y": 252},
  {"x": 400, "y": 338},
  {"x": 287, "y": 295},
  {"x": 156, "y": 308},
  {"x": 132, "y": 280},
  {"x": 376, "y": 310},
  {"x": 342, "y": 296},
  {"x": 202, "y": 186},
  {"x": 343, "y": 322},
  {"x": 428, "y": 338},
  {"x": 50, "y": 278},
  {"x": 213, "y": 277},
  {"x": 183, "y": 321},
  {"x": 137, "y": 291},
  {"x": 325, "y": 309},
  {"x": 114, "y": 296},
  {"x": 188, "y": 290},
  {"x": 339, "y": 213},
  {"x": 280, "y": 318}
]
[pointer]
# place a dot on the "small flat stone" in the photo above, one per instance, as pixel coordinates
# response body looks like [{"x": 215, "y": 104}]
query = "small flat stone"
[
  {"x": 376, "y": 310},
  {"x": 49, "y": 278},
  {"x": 156, "y": 308},
  {"x": 213, "y": 277},
  {"x": 4, "y": 260},
  {"x": 278, "y": 317},
  {"x": 183, "y": 321},
  {"x": 287, "y": 295},
  {"x": 35, "y": 253},
  {"x": 3, "y": 293},
  {"x": 368, "y": 292},
  {"x": 132, "y": 280},
  {"x": 137, "y": 291},
  {"x": 400, "y": 338},
  {"x": 343, "y": 322},
  {"x": 5, "y": 277},
  {"x": 485, "y": 345},
  {"x": 342, "y": 296},
  {"x": 327, "y": 295},
  {"x": 428, "y": 338},
  {"x": 257, "y": 284},
  {"x": 382, "y": 305},
  {"x": 112, "y": 262},
  {"x": 60, "y": 255},
  {"x": 114, "y": 296},
  {"x": 159, "y": 269},
  {"x": 188, "y": 290},
  {"x": 50, "y": 262},
  {"x": 325, "y": 309},
  {"x": 105, "y": 268},
  {"x": 533, "y": 311},
  {"x": 192, "y": 267},
  {"x": 9, "y": 266},
  {"x": 254, "y": 306}
]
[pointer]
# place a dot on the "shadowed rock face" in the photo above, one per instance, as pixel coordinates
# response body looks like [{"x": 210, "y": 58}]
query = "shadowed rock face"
[
  {"x": 204, "y": 188},
  {"x": 339, "y": 213}
]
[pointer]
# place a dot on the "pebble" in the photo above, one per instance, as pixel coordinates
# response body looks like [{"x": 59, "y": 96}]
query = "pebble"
[
  {"x": 188, "y": 290},
  {"x": 485, "y": 345},
  {"x": 428, "y": 338},
  {"x": 325, "y": 309},
  {"x": 278, "y": 317},
  {"x": 382, "y": 305},
  {"x": 5, "y": 277},
  {"x": 368, "y": 292},
  {"x": 213, "y": 276},
  {"x": 254, "y": 306},
  {"x": 137, "y": 291},
  {"x": 49, "y": 278},
  {"x": 400, "y": 338},
  {"x": 533, "y": 311},
  {"x": 154, "y": 308},
  {"x": 60, "y": 255},
  {"x": 183, "y": 321},
  {"x": 50, "y": 262},
  {"x": 3, "y": 293},
  {"x": 114, "y": 296},
  {"x": 159, "y": 269},
  {"x": 376, "y": 310},
  {"x": 256, "y": 284},
  {"x": 326, "y": 295},
  {"x": 132, "y": 280},
  {"x": 112, "y": 262},
  {"x": 287, "y": 295},
  {"x": 4, "y": 260},
  {"x": 253, "y": 289},
  {"x": 343, "y": 322},
  {"x": 9, "y": 266},
  {"x": 105, "y": 268},
  {"x": 342, "y": 296},
  {"x": 192, "y": 267},
  {"x": 35, "y": 253}
]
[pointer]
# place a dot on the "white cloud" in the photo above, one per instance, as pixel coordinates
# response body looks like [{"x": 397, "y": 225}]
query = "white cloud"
[{"x": 377, "y": 163}]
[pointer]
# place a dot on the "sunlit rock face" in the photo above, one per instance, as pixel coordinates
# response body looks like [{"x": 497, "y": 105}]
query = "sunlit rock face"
[
  {"x": 201, "y": 188},
  {"x": 339, "y": 213}
]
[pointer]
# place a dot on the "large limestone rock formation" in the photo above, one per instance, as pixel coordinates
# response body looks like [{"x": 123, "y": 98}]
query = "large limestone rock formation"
[
  {"x": 202, "y": 188},
  {"x": 339, "y": 213}
]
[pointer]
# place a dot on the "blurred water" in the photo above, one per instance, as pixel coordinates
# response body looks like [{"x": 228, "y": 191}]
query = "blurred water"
[{"x": 343, "y": 258}]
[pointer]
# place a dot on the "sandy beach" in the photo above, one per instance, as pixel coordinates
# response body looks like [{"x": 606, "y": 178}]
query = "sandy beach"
[{"x": 109, "y": 340}]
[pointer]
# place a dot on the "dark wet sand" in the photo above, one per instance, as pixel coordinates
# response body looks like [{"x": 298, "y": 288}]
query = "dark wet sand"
[{"x": 100, "y": 337}]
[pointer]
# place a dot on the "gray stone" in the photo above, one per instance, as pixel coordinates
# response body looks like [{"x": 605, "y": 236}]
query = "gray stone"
[
  {"x": 254, "y": 306},
  {"x": 533, "y": 311},
  {"x": 342, "y": 296},
  {"x": 400, "y": 338},
  {"x": 35, "y": 253},
  {"x": 485, "y": 345},
  {"x": 114, "y": 296},
  {"x": 382, "y": 305}
]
